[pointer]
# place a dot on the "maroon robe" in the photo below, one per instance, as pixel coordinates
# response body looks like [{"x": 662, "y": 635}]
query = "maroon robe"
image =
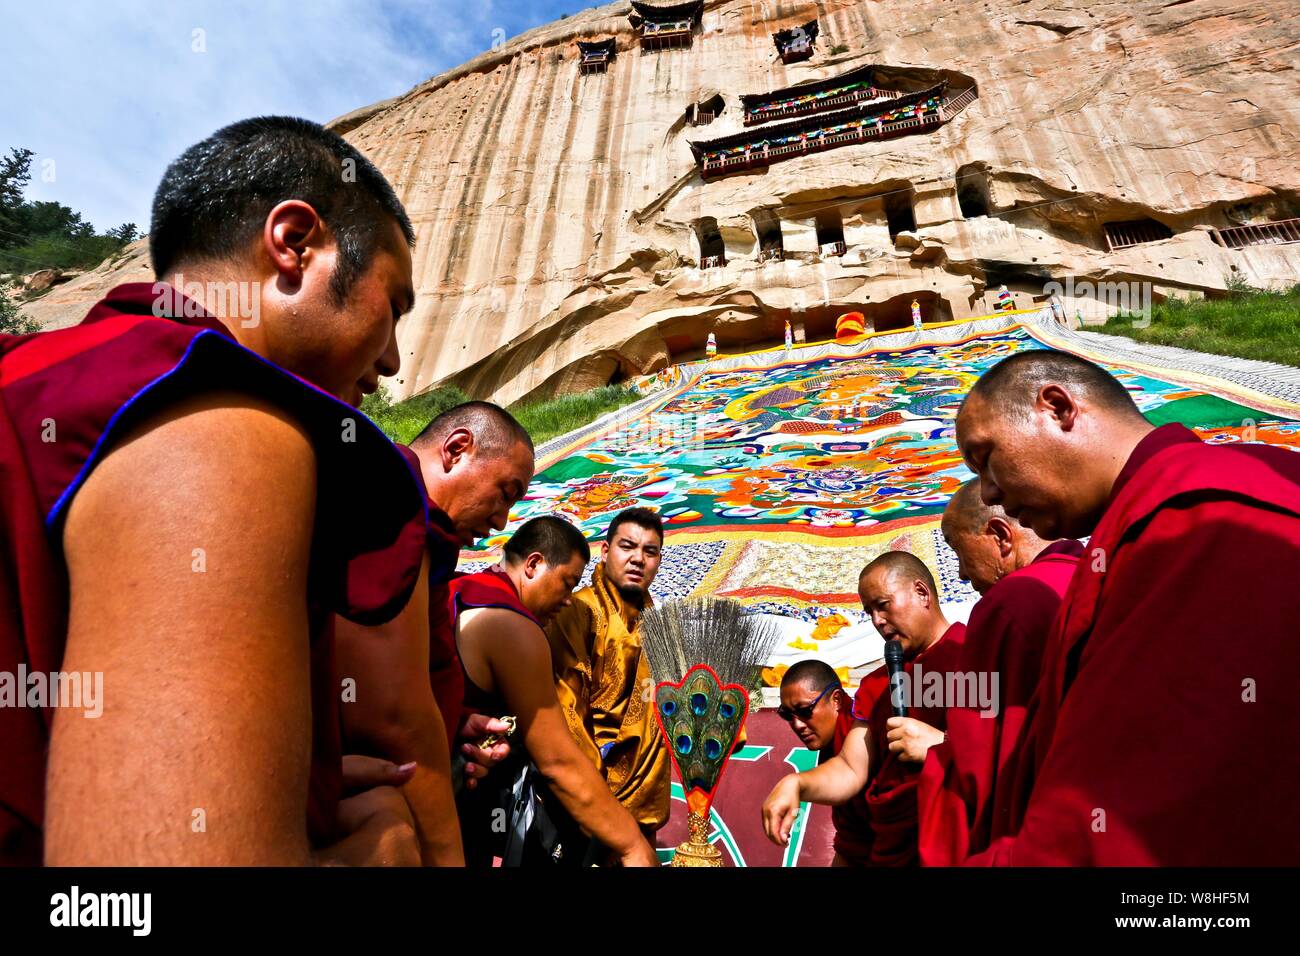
[
  {"x": 962, "y": 785},
  {"x": 445, "y": 674},
  {"x": 891, "y": 793},
  {"x": 1163, "y": 728},
  {"x": 126, "y": 362},
  {"x": 852, "y": 820}
]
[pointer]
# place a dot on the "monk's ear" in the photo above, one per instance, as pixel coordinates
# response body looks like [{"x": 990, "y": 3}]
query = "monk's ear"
[
  {"x": 1003, "y": 535},
  {"x": 923, "y": 592},
  {"x": 1057, "y": 401},
  {"x": 291, "y": 236},
  {"x": 455, "y": 446},
  {"x": 533, "y": 565}
]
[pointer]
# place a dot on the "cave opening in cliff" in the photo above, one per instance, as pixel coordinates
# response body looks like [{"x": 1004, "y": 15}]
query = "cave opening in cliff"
[
  {"x": 706, "y": 111},
  {"x": 771, "y": 243},
  {"x": 1134, "y": 232},
  {"x": 973, "y": 192},
  {"x": 830, "y": 233},
  {"x": 898, "y": 213},
  {"x": 713, "y": 251}
]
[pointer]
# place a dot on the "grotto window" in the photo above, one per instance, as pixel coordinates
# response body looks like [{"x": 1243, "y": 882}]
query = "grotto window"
[
  {"x": 830, "y": 233},
  {"x": 706, "y": 111},
  {"x": 898, "y": 213},
  {"x": 713, "y": 252},
  {"x": 771, "y": 244},
  {"x": 972, "y": 193},
  {"x": 1134, "y": 232}
]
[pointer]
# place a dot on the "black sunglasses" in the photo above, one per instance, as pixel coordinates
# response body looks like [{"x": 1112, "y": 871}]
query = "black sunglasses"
[{"x": 806, "y": 711}]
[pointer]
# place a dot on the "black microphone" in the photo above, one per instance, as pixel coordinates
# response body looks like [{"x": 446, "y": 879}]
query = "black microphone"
[{"x": 894, "y": 664}]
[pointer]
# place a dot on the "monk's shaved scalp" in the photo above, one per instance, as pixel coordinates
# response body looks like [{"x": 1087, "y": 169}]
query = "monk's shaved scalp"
[
  {"x": 967, "y": 510},
  {"x": 903, "y": 563},
  {"x": 817, "y": 674},
  {"x": 1012, "y": 384},
  {"x": 557, "y": 541},
  {"x": 495, "y": 430}
]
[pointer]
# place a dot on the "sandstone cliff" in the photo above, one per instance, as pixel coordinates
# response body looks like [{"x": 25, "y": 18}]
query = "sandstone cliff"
[{"x": 561, "y": 215}]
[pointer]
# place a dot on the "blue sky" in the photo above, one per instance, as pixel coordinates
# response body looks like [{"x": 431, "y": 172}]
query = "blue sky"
[{"x": 107, "y": 92}]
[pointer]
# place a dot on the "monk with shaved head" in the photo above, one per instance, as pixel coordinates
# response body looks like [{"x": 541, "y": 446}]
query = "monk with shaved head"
[
  {"x": 1168, "y": 678},
  {"x": 965, "y": 783},
  {"x": 882, "y": 754}
]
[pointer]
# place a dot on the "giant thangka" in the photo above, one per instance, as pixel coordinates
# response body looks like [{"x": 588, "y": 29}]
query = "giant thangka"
[{"x": 780, "y": 474}]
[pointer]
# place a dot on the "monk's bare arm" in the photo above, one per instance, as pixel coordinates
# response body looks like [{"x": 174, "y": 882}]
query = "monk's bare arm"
[
  {"x": 521, "y": 671},
  {"x": 836, "y": 781},
  {"x": 396, "y": 716},
  {"x": 844, "y": 776},
  {"x": 187, "y": 552}
]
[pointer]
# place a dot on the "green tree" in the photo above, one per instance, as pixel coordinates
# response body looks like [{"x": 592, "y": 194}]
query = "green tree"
[
  {"x": 12, "y": 321},
  {"x": 15, "y": 174}
]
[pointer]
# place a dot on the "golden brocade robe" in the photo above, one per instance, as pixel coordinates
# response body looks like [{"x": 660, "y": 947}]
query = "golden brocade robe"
[{"x": 603, "y": 683}]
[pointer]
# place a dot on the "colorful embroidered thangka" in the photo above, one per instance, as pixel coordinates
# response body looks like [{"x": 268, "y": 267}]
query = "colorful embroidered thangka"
[{"x": 779, "y": 480}]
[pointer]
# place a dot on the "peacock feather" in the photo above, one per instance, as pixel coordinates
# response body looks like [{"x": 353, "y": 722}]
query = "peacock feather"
[
  {"x": 705, "y": 655},
  {"x": 701, "y": 719}
]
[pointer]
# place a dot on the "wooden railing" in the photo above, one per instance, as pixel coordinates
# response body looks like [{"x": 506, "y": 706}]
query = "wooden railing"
[
  {"x": 713, "y": 262},
  {"x": 817, "y": 106},
  {"x": 1122, "y": 235},
  {"x": 763, "y": 157},
  {"x": 952, "y": 107},
  {"x": 1277, "y": 233},
  {"x": 657, "y": 29},
  {"x": 830, "y": 249},
  {"x": 771, "y": 255}
]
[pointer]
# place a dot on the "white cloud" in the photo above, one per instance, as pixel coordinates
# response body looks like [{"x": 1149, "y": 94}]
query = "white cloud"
[{"x": 112, "y": 92}]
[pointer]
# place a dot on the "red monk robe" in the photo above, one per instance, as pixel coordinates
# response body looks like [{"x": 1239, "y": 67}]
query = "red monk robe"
[
  {"x": 445, "y": 674},
  {"x": 1164, "y": 725},
  {"x": 891, "y": 793},
  {"x": 852, "y": 820},
  {"x": 963, "y": 785},
  {"x": 100, "y": 378}
]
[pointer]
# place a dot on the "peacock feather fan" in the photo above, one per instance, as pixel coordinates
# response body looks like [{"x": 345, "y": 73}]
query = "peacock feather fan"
[{"x": 705, "y": 655}]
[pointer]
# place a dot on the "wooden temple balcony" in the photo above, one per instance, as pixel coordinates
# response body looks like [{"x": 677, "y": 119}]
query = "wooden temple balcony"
[
  {"x": 595, "y": 56},
  {"x": 775, "y": 254},
  {"x": 927, "y": 110},
  {"x": 830, "y": 250},
  {"x": 1277, "y": 233},
  {"x": 837, "y": 92},
  {"x": 713, "y": 262},
  {"x": 796, "y": 45},
  {"x": 666, "y": 27}
]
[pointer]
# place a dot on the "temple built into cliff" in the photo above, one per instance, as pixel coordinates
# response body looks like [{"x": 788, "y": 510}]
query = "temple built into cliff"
[
  {"x": 664, "y": 27},
  {"x": 596, "y": 55},
  {"x": 796, "y": 44},
  {"x": 879, "y": 118}
]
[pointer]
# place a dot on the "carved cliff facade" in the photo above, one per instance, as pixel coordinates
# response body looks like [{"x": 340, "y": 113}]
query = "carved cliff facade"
[{"x": 583, "y": 216}]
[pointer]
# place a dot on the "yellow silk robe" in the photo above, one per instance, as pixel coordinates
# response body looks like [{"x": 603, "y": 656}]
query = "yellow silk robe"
[{"x": 603, "y": 682}]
